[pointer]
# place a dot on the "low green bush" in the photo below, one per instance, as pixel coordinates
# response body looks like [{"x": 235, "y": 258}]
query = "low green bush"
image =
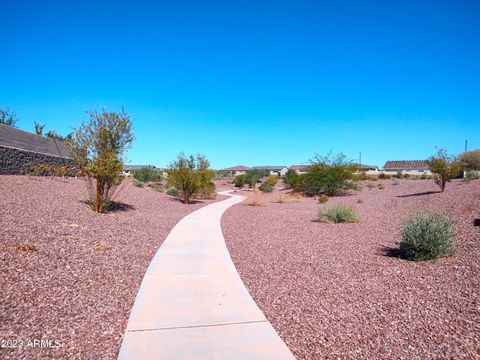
[
  {"x": 138, "y": 183},
  {"x": 266, "y": 187},
  {"x": 337, "y": 214},
  {"x": 156, "y": 186},
  {"x": 172, "y": 191},
  {"x": 427, "y": 236},
  {"x": 383, "y": 176}
]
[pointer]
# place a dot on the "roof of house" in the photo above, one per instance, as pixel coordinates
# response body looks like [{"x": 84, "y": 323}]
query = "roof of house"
[
  {"x": 269, "y": 168},
  {"x": 138, "y": 167},
  {"x": 367, "y": 167},
  {"x": 299, "y": 167},
  {"x": 24, "y": 140},
  {"x": 406, "y": 165},
  {"x": 238, "y": 168}
]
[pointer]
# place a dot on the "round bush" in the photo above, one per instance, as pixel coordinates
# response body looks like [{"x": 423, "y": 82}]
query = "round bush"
[
  {"x": 427, "y": 236},
  {"x": 266, "y": 187}
]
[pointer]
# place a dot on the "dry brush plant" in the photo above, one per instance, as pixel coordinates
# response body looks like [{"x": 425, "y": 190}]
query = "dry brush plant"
[
  {"x": 255, "y": 200},
  {"x": 282, "y": 198}
]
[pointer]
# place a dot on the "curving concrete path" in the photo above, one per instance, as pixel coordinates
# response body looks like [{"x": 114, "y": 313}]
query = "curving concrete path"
[{"x": 192, "y": 303}]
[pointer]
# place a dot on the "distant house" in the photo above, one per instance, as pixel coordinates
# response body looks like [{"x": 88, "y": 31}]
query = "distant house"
[
  {"x": 273, "y": 170},
  {"x": 127, "y": 169},
  {"x": 368, "y": 169},
  {"x": 411, "y": 167},
  {"x": 299, "y": 169},
  {"x": 237, "y": 170}
]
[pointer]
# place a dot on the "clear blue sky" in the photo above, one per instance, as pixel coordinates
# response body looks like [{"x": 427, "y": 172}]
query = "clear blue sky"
[{"x": 251, "y": 82}]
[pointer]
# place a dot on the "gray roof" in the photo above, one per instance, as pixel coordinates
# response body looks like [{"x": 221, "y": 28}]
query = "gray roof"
[{"x": 23, "y": 140}]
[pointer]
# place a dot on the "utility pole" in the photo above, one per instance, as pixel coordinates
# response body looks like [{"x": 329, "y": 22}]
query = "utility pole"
[
  {"x": 360, "y": 159},
  {"x": 466, "y": 141}
]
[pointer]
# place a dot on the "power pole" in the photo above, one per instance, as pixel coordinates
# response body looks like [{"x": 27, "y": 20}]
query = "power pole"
[
  {"x": 466, "y": 141},
  {"x": 360, "y": 159}
]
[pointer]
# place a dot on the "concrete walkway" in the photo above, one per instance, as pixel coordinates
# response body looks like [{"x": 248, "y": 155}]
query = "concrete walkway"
[{"x": 192, "y": 303}]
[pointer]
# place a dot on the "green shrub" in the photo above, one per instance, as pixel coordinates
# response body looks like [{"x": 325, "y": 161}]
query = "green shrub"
[
  {"x": 291, "y": 179},
  {"x": 337, "y": 214},
  {"x": 266, "y": 187},
  {"x": 322, "y": 199},
  {"x": 395, "y": 181},
  {"x": 399, "y": 175},
  {"x": 383, "y": 176},
  {"x": 138, "y": 183},
  {"x": 406, "y": 176},
  {"x": 172, "y": 191},
  {"x": 146, "y": 174},
  {"x": 424, "y": 177},
  {"x": 427, "y": 236},
  {"x": 239, "y": 181}
]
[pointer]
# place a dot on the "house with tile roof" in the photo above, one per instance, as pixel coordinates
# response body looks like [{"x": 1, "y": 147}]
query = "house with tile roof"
[
  {"x": 237, "y": 170},
  {"x": 410, "y": 167},
  {"x": 273, "y": 170}
]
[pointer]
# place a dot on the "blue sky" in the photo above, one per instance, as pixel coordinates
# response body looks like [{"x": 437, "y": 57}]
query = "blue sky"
[{"x": 251, "y": 82}]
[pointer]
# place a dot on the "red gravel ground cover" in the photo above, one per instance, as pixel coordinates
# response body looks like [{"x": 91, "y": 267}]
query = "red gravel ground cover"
[
  {"x": 70, "y": 290},
  {"x": 336, "y": 291}
]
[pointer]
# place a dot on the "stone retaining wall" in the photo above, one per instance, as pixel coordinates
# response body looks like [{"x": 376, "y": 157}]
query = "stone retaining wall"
[{"x": 16, "y": 161}]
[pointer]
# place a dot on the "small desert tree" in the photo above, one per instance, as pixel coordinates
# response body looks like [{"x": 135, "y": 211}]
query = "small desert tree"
[
  {"x": 8, "y": 117},
  {"x": 191, "y": 176},
  {"x": 444, "y": 167},
  {"x": 97, "y": 148}
]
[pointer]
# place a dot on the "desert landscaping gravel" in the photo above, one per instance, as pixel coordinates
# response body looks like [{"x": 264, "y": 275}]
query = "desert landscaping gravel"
[
  {"x": 79, "y": 285},
  {"x": 339, "y": 291}
]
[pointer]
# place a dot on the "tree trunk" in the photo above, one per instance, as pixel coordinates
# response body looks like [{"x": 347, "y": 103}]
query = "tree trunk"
[{"x": 97, "y": 199}]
